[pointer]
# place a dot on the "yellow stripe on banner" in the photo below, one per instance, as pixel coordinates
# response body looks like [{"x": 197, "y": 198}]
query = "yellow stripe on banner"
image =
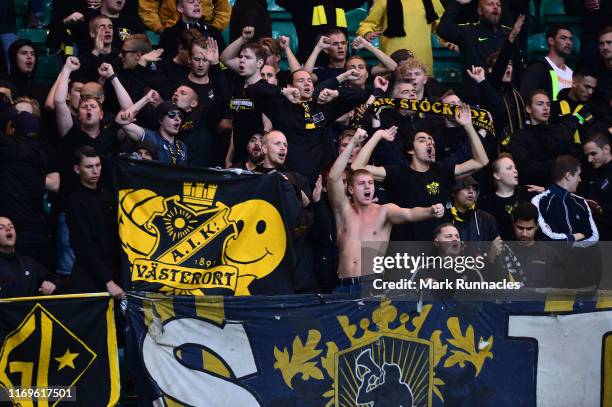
[
  {"x": 210, "y": 308},
  {"x": 607, "y": 372},
  {"x": 171, "y": 403},
  {"x": 559, "y": 301},
  {"x": 113, "y": 354},
  {"x": 55, "y": 297},
  {"x": 604, "y": 300},
  {"x": 147, "y": 310},
  {"x": 165, "y": 309}
]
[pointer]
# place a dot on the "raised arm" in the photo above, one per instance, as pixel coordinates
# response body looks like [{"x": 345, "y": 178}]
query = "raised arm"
[
  {"x": 62, "y": 111},
  {"x": 294, "y": 64},
  {"x": 126, "y": 119},
  {"x": 107, "y": 73},
  {"x": 229, "y": 56},
  {"x": 335, "y": 187},
  {"x": 448, "y": 29},
  {"x": 361, "y": 43},
  {"x": 479, "y": 156},
  {"x": 397, "y": 215},
  {"x": 324, "y": 43},
  {"x": 361, "y": 161}
]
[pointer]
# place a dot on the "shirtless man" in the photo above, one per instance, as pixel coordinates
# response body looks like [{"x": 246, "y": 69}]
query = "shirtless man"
[{"x": 362, "y": 220}]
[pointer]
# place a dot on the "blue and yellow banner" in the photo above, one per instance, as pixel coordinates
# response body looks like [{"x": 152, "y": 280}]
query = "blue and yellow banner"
[
  {"x": 333, "y": 351},
  {"x": 195, "y": 231},
  {"x": 61, "y": 349}
]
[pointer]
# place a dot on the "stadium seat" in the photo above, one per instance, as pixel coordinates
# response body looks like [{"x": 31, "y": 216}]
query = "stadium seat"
[
  {"x": 277, "y": 13},
  {"x": 448, "y": 72},
  {"x": 354, "y": 17},
  {"x": 553, "y": 12},
  {"x": 48, "y": 67},
  {"x": 534, "y": 13},
  {"x": 536, "y": 46},
  {"x": 288, "y": 29},
  {"x": 37, "y": 36},
  {"x": 441, "y": 52},
  {"x": 153, "y": 38}
]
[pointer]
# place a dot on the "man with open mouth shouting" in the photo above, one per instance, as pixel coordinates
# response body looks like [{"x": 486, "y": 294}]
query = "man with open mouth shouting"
[
  {"x": 423, "y": 182},
  {"x": 362, "y": 219}
]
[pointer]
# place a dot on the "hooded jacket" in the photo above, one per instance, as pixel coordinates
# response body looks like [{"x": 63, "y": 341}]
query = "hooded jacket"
[{"x": 25, "y": 83}]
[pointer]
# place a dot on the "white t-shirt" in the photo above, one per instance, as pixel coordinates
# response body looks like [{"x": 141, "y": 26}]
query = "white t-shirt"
[{"x": 564, "y": 75}]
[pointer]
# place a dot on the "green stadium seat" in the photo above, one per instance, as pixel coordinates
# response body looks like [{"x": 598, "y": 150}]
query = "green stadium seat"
[
  {"x": 153, "y": 38},
  {"x": 354, "y": 17},
  {"x": 48, "y": 67},
  {"x": 448, "y": 72},
  {"x": 534, "y": 12},
  {"x": 537, "y": 46},
  {"x": 288, "y": 29},
  {"x": 226, "y": 35},
  {"x": 442, "y": 53},
  {"x": 277, "y": 13},
  {"x": 37, "y": 36},
  {"x": 553, "y": 12}
]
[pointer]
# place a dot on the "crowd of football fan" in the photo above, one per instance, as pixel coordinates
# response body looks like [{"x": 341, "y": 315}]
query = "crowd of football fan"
[{"x": 544, "y": 172}]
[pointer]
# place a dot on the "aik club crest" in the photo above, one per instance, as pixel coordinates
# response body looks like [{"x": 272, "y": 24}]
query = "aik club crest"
[
  {"x": 192, "y": 244},
  {"x": 392, "y": 364}
]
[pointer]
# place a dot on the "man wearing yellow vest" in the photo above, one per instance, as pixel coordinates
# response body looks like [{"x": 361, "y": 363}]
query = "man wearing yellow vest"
[
  {"x": 572, "y": 105},
  {"x": 551, "y": 73}
]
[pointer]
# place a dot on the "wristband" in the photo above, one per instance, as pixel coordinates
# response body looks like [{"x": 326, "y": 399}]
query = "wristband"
[
  {"x": 113, "y": 76},
  {"x": 378, "y": 93}
]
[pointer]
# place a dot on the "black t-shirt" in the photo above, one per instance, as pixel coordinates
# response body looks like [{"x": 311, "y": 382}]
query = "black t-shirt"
[
  {"x": 173, "y": 71},
  {"x": 106, "y": 144},
  {"x": 24, "y": 165},
  {"x": 246, "y": 117},
  {"x": 88, "y": 72},
  {"x": 502, "y": 208},
  {"x": 409, "y": 188}
]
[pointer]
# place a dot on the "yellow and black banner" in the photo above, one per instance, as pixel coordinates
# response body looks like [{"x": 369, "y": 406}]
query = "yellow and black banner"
[
  {"x": 59, "y": 350},
  {"x": 481, "y": 118},
  {"x": 196, "y": 231}
]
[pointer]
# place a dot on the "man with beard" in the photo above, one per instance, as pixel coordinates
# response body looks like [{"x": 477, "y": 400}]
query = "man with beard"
[
  {"x": 530, "y": 263},
  {"x": 573, "y": 105},
  {"x": 599, "y": 194},
  {"x": 423, "y": 182},
  {"x": 274, "y": 147},
  {"x": 477, "y": 40},
  {"x": 551, "y": 73},
  {"x": 360, "y": 219},
  {"x": 254, "y": 153}
]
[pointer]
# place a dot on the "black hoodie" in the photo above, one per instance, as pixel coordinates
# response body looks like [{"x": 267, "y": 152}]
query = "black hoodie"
[{"x": 25, "y": 83}]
